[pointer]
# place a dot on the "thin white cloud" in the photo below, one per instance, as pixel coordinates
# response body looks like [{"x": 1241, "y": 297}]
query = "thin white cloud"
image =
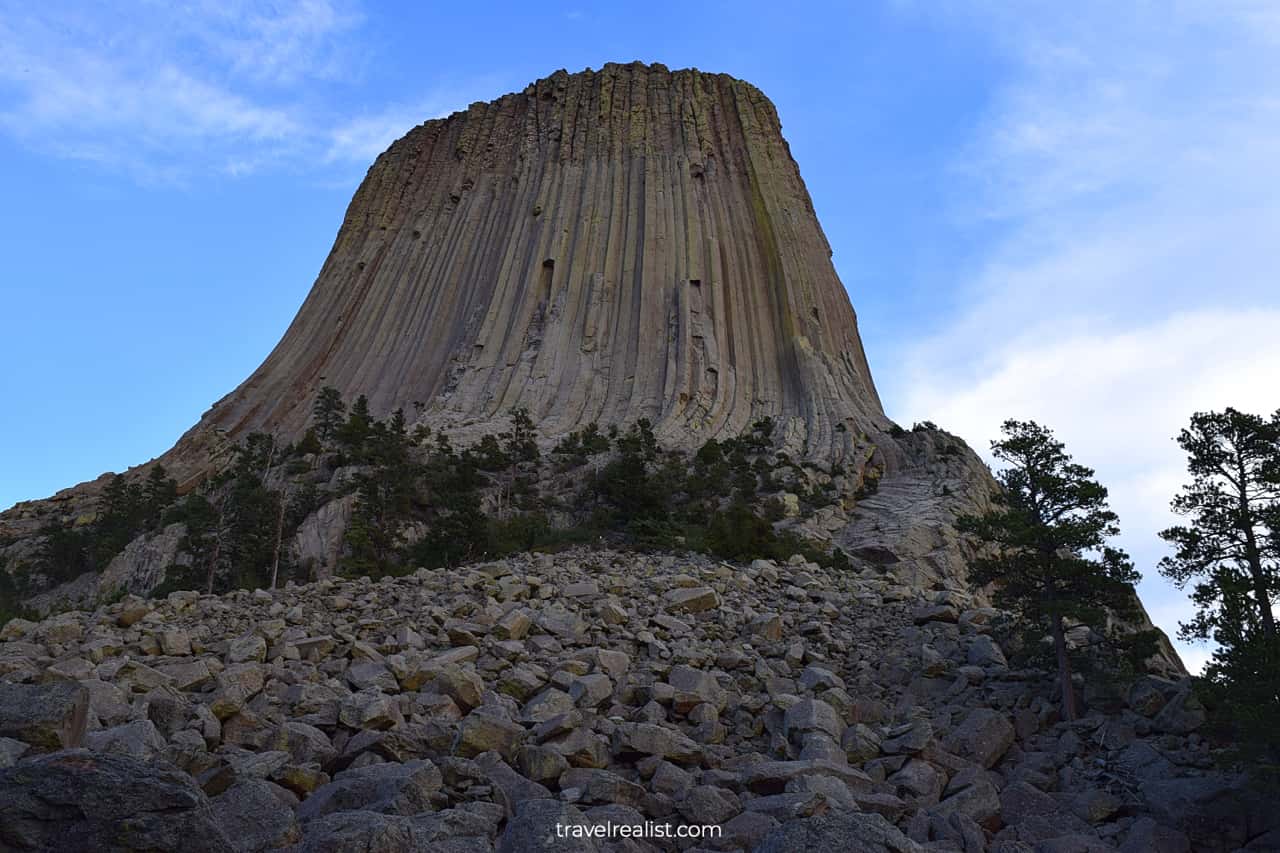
[
  {"x": 129, "y": 87},
  {"x": 1132, "y": 165},
  {"x": 1117, "y": 398},
  {"x": 278, "y": 43},
  {"x": 363, "y": 138},
  {"x": 164, "y": 91}
]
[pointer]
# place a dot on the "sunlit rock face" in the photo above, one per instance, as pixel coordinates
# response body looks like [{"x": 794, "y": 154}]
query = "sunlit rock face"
[{"x": 602, "y": 246}]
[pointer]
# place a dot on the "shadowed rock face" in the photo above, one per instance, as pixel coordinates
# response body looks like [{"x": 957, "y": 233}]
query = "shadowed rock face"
[{"x": 603, "y": 246}]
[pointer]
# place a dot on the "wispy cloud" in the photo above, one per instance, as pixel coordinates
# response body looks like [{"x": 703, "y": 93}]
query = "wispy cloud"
[
  {"x": 167, "y": 91},
  {"x": 279, "y": 44},
  {"x": 364, "y": 137},
  {"x": 361, "y": 138},
  {"x": 1131, "y": 164}
]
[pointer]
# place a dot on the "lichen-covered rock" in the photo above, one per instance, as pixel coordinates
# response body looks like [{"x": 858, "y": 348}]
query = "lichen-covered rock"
[
  {"x": 45, "y": 716},
  {"x": 247, "y": 649},
  {"x": 403, "y": 789},
  {"x": 360, "y": 831},
  {"x": 485, "y": 731},
  {"x": 693, "y": 600},
  {"x": 544, "y": 826},
  {"x": 771, "y": 777},
  {"x": 80, "y": 800},
  {"x": 977, "y": 799},
  {"x": 812, "y": 715},
  {"x": 257, "y": 815},
  {"x": 1182, "y": 714},
  {"x": 693, "y": 687},
  {"x": 867, "y": 833},
  {"x": 601, "y": 786},
  {"x": 139, "y": 739},
  {"x": 983, "y": 737},
  {"x": 653, "y": 739}
]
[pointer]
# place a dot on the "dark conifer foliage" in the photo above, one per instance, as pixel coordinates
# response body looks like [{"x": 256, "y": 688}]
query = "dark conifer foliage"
[
  {"x": 125, "y": 511},
  {"x": 421, "y": 502},
  {"x": 1229, "y": 552},
  {"x": 327, "y": 412},
  {"x": 1230, "y": 549},
  {"x": 1049, "y": 558}
]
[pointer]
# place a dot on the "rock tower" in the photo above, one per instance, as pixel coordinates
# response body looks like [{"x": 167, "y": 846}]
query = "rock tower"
[{"x": 602, "y": 246}]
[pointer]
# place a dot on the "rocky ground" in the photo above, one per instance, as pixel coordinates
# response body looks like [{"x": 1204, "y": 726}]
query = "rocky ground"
[{"x": 495, "y": 706}]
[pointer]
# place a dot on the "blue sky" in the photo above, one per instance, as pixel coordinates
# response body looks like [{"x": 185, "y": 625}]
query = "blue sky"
[{"x": 1065, "y": 212}]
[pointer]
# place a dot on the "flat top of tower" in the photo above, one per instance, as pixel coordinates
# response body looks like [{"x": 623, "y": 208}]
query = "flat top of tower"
[{"x": 652, "y": 71}]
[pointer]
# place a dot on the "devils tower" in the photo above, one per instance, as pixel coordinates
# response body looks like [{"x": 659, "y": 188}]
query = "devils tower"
[
  {"x": 602, "y": 246},
  {"x": 597, "y": 313}
]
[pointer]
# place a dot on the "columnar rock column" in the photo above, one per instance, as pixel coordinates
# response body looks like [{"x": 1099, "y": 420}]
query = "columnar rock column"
[{"x": 603, "y": 246}]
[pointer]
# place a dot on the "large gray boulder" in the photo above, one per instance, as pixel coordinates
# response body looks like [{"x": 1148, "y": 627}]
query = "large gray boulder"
[
  {"x": 1147, "y": 836},
  {"x": 46, "y": 716},
  {"x": 974, "y": 796},
  {"x": 139, "y": 739},
  {"x": 257, "y": 815},
  {"x": 510, "y": 788},
  {"x": 855, "y": 832},
  {"x": 80, "y": 800},
  {"x": 1182, "y": 714},
  {"x": 1215, "y": 812},
  {"x": 1035, "y": 816},
  {"x": 983, "y": 737},
  {"x": 694, "y": 687},
  {"x": 391, "y": 788},
  {"x": 359, "y": 831},
  {"x": 771, "y": 777},
  {"x": 812, "y": 715},
  {"x": 547, "y": 826}
]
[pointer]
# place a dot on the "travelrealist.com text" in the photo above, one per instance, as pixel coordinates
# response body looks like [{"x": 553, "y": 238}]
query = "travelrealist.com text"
[{"x": 648, "y": 829}]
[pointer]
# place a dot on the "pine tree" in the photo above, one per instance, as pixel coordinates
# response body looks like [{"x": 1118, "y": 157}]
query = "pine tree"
[
  {"x": 521, "y": 443},
  {"x": 1049, "y": 532},
  {"x": 593, "y": 441},
  {"x": 327, "y": 411},
  {"x": 1230, "y": 550},
  {"x": 65, "y": 553},
  {"x": 385, "y": 495},
  {"x": 353, "y": 434},
  {"x": 371, "y": 535},
  {"x": 248, "y": 531},
  {"x": 158, "y": 493},
  {"x": 121, "y": 513},
  {"x": 488, "y": 454},
  {"x": 310, "y": 443},
  {"x": 1232, "y": 546}
]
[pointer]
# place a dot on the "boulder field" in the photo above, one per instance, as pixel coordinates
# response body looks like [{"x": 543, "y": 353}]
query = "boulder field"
[{"x": 500, "y": 705}]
